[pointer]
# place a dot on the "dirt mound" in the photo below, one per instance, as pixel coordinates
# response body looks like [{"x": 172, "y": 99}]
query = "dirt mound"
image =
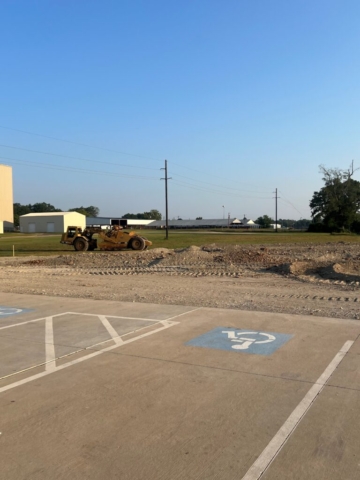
[
  {"x": 329, "y": 263},
  {"x": 347, "y": 271},
  {"x": 192, "y": 248}
]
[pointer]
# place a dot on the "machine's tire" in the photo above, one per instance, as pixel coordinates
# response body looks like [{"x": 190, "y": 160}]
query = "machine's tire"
[
  {"x": 81, "y": 245},
  {"x": 138, "y": 243}
]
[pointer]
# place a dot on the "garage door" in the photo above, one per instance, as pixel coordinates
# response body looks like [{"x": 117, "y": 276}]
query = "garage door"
[
  {"x": 32, "y": 228},
  {"x": 50, "y": 227}
]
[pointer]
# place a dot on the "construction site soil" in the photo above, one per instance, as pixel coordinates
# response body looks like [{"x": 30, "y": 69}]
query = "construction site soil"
[{"x": 315, "y": 279}]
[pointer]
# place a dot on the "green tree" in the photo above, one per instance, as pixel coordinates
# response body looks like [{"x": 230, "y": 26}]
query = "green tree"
[
  {"x": 152, "y": 215},
  {"x": 44, "y": 207},
  {"x": 289, "y": 223},
  {"x": 36, "y": 208},
  {"x": 265, "y": 221},
  {"x": 336, "y": 205},
  {"x": 20, "y": 210},
  {"x": 87, "y": 211}
]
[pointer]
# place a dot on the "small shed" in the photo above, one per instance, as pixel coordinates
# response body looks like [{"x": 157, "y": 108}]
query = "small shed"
[{"x": 51, "y": 222}]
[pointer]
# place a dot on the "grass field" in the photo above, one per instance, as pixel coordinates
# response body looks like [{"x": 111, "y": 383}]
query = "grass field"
[{"x": 30, "y": 244}]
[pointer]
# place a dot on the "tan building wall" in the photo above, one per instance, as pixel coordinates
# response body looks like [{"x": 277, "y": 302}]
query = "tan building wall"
[
  {"x": 51, "y": 222},
  {"x": 6, "y": 196}
]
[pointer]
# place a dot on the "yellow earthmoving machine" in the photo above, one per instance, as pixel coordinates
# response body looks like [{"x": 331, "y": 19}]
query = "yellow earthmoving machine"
[{"x": 113, "y": 238}]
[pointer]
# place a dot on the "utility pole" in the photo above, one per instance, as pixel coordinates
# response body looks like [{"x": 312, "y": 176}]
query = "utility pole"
[
  {"x": 276, "y": 199},
  {"x": 166, "y": 199}
]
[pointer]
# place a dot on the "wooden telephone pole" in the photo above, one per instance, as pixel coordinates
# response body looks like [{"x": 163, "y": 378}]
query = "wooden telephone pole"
[{"x": 166, "y": 178}]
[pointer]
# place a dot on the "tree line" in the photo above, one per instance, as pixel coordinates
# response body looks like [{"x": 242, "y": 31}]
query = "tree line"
[
  {"x": 90, "y": 211},
  {"x": 152, "y": 215},
  {"x": 265, "y": 222}
]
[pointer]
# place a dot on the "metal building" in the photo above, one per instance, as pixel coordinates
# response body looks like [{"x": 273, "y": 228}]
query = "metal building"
[
  {"x": 211, "y": 223},
  {"x": 51, "y": 222},
  {"x": 6, "y": 199},
  {"x": 124, "y": 222}
]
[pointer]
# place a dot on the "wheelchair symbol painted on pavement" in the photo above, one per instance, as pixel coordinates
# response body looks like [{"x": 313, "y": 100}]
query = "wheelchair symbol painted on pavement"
[
  {"x": 7, "y": 311},
  {"x": 242, "y": 341}
]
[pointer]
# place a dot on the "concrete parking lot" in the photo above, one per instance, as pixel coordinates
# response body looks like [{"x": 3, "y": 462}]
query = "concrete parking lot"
[{"x": 100, "y": 389}]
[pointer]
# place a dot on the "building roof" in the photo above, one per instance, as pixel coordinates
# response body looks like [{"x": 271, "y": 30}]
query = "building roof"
[
  {"x": 222, "y": 222},
  {"x": 50, "y": 214},
  {"x": 107, "y": 220}
]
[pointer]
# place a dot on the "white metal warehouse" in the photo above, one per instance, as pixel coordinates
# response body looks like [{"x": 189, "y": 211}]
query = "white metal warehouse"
[{"x": 51, "y": 222}]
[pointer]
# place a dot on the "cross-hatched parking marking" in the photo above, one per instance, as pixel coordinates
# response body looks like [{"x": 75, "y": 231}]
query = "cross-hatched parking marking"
[{"x": 106, "y": 322}]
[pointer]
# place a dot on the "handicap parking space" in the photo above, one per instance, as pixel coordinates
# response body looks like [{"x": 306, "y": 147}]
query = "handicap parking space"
[
  {"x": 39, "y": 338},
  {"x": 310, "y": 343},
  {"x": 138, "y": 391}
]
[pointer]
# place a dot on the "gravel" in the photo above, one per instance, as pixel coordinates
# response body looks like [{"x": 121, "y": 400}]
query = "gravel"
[{"x": 315, "y": 279}]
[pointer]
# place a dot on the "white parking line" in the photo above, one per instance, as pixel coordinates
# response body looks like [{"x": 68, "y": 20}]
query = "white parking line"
[
  {"x": 82, "y": 359},
  {"x": 114, "y": 316},
  {"x": 282, "y": 436},
  {"x": 49, "y": 344},
  {"x": 184, "y": 313},
  {"x": 112, "y": 332},
  {"x": 87, "y": 315}
]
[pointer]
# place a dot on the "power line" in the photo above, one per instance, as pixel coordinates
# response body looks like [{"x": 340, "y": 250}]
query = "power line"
[
  {"x": 204, "y": 189},
  {"x": 215, "y": 185},
  {"x": 79, "y": 170},
  {"x": 288, "y": 201},
  {"x": 78, "y": 143},
  {"x": 118, "y": 152},
  {"x": 204, "y": 172},
  {"x": 77, "y": 158}
]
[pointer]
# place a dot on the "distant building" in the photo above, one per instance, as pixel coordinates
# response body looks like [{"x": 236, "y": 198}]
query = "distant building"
[
  {"x": 51, "y": 222},
  {"x": 249, "y": 223},
  {"x": 210, "y": 223},
  {"x": 124, "y": 222},
  {"x": 274, "y": 225},
  {"x": 6, "y": 199}
]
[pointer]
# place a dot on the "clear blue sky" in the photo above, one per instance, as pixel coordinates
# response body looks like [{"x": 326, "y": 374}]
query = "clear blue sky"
[{"x": 240, "y": 96}]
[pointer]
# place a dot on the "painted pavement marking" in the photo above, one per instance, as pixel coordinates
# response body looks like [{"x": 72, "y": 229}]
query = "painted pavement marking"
[
  {"x": 111, "y": 330},
  {"x": 245, "y": 341},
  {"x": 50, "y": 356},
  {"x": 49, "y": 344},
  {"x": 274, "y": 447},
  {"x": 169, "y": 324},
  {"x": 77, "y": 313},
  {"x": 7, "y": 311}
]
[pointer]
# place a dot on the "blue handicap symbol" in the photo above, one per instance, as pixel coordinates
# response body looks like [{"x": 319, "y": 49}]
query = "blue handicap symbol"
[
  {"x": 7, "y": 311},
  {"x": 242, "y": 341}
]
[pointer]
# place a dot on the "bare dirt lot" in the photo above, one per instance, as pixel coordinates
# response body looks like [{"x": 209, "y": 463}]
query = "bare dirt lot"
[{"x": 313, "y": 279}]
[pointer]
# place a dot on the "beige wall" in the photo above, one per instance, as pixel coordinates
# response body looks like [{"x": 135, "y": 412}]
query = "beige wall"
[
  {"x": 6, "y": 194},
  {"x": 74, "y": 219},
  {"x": 47, "y": 223}
]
